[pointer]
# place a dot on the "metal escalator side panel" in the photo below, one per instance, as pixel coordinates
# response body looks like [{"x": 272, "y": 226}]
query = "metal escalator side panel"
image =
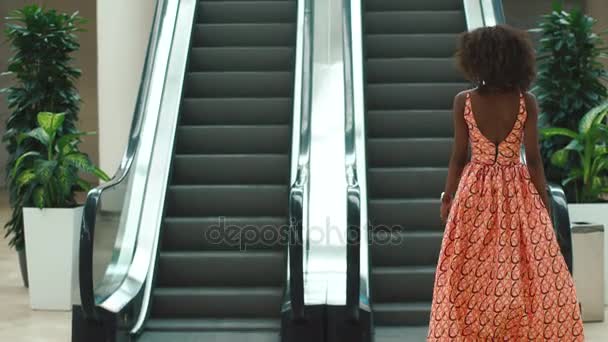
[
  {"x": 300, "y": 162},
  {"x": 101, "y": 201},
  {"x": 153, "y": 213},
  {"x": 355, "y": 322}
]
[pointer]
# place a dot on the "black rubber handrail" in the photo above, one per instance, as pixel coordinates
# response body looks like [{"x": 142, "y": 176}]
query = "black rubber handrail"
[
  {"x": 93, "y": 201},
  {"x": 296, "y": 247},
  {"x": 561, "y": 221}
]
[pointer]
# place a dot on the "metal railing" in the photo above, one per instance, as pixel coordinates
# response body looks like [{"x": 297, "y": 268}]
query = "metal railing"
[
  {"x": 481, "y": 13},
  {"x": 143, "y": 174},
  {"x": 357, "y": 291},
  {"x": 300, "y": 156}
]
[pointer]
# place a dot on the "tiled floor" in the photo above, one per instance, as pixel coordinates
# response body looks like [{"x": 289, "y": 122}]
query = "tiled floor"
[{"x": 18, "y": 323}]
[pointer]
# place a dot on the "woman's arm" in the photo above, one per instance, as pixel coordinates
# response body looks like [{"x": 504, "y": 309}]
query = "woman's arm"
[
  {"x": 533, "y": 158},
  {"x": 458, "y": 158}
]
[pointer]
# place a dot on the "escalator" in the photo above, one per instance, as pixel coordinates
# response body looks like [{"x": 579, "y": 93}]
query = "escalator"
[
  {"x": 217, "y": 277},
  {"x": 411, "y": 82},
  {"x": 202, "y": 217}
]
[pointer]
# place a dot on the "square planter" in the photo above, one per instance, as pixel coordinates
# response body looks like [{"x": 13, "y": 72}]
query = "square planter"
[
  {"x": 588, "y": 248},
  {"x": 596, "y": 213},
  {"x": 51, "y": 237}
]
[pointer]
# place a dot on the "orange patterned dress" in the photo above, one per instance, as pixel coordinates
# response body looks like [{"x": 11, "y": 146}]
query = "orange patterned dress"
[{"x": 501, "y": 275}]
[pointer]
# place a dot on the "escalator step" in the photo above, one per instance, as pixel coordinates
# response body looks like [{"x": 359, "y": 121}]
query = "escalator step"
[
  {"x": 236, "y": 111},
  {"x": 247, "y": 11},
  {"x": 208, "y": 302},
  {"x": 275, "y": 34},
  {"x": 242, "y": 59},
  {"x": 232, "y": 139},
  {"x": 406, "y": 214},
  {"x": 413, "y": 95},
  {"x": 227, "y": 200},
  {"x": 410, "y": 45},
  {"x": 401, "y": 5},
  {"x": 409, "y": 152},
  {"x": 231, "y": 169},
  {"x": 390, "y": 282},
  {"x": 409, "y": 182},
  {"x": 396, "y": 314},
  {"x": 221, "y": 268},
  {"x": 224, "y": 233},
  {"x": 387, "y": 22},
  {"x": 409, "y": 123},
  {"x": 405, "y": 248},
  {"x": 411, "y": 70},
  {"x": 239, "y": 84},
  {"x": 215, "y": 336},
  {"x": 233, "y": 324}
]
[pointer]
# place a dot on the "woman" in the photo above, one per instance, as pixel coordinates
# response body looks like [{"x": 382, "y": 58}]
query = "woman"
[{"x": 500, "y": 274}]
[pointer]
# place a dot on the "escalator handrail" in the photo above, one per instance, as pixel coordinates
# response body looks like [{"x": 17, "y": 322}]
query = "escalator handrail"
[
  {"x": 300, "y": 155},
  {"x": 355, "y": 159},
  {"x": 92, "y": 203},
  {"x": 480, "y": 13},
  {"x": 492, "y": 13}
]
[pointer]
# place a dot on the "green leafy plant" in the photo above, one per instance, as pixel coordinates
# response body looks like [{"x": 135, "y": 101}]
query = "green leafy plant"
[
  {"x": 52, "y": 176},
  {"x": 569, "y": 74},
  {"x": 585, "y": 157},
  {"x": 44, "y": 76}
]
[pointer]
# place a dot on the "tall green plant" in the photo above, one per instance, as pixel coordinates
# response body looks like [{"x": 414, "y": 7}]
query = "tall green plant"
[
  {"x": 585, "y": 157},
  {"x": 569, "y": 74},
  {"x": 44, "y": 75}
]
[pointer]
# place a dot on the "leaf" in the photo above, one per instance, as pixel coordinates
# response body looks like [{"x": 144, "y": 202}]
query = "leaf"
[
  {"x": 592, "y": 117},
  {"x": 38, "y": 134},
  {"x": 26, "y": 177},
  {"x": 558, "y": 131},
  {"x": 51, "y": 122},
  {"x": 84, "y": 185},
  {"x": 574, "y": 145},
  {"x": 39, "y": 197},
  {"x": 21, "y": 160},
  {"x": 44, "y": 170},
  {"x": 68, "y": 140},
  {"x": 79, "y": 160},
  {"x": 560, "y": 158}
]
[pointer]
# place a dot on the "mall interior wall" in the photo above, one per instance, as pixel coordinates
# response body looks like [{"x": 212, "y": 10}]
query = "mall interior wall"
[{"x": 123, "y": 29}]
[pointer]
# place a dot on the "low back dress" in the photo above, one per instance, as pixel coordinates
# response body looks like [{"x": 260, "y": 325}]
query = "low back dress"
[{"x": 500, "y": 274}]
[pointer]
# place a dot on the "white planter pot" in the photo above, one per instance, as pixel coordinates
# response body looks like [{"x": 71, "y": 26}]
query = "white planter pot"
[
  {"x": 595, "y": 213},
  {"x": 588, "y": 248},
  {"x": 51, "y": 237}
]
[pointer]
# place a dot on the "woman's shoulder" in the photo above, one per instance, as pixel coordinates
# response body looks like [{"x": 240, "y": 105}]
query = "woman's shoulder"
[{"x": 461, "y": 97}]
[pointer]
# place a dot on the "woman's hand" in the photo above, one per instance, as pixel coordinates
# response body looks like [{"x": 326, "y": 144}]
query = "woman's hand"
[{"x": 445, "y": 211}]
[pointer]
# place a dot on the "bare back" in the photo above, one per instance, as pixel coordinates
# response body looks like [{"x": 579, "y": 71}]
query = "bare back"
[{"x": 495, "y": 114}]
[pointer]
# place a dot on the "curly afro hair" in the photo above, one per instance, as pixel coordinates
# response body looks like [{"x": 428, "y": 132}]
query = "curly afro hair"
[{"x": 498, "y": 57}]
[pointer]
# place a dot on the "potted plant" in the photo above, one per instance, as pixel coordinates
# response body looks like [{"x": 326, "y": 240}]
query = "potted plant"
[
  {"x": 585, "y": 162},
  {"x": 44, "y": 78},
  {"x": 50, "y": 176},
  {"x": 569, "y": 76}
]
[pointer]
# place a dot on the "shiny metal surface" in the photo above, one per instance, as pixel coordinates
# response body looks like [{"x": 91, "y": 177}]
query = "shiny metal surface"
[
  {"x": 355, "y": 159},
  {"x": 106, "y": 205},
  {"x": 300, "y": 158},
  {"x": 156, "y": 188},
  {"x": 149, "y": 173},
  {"x": 480, "y": 13},
  {"x": 325, "y": 278}
]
